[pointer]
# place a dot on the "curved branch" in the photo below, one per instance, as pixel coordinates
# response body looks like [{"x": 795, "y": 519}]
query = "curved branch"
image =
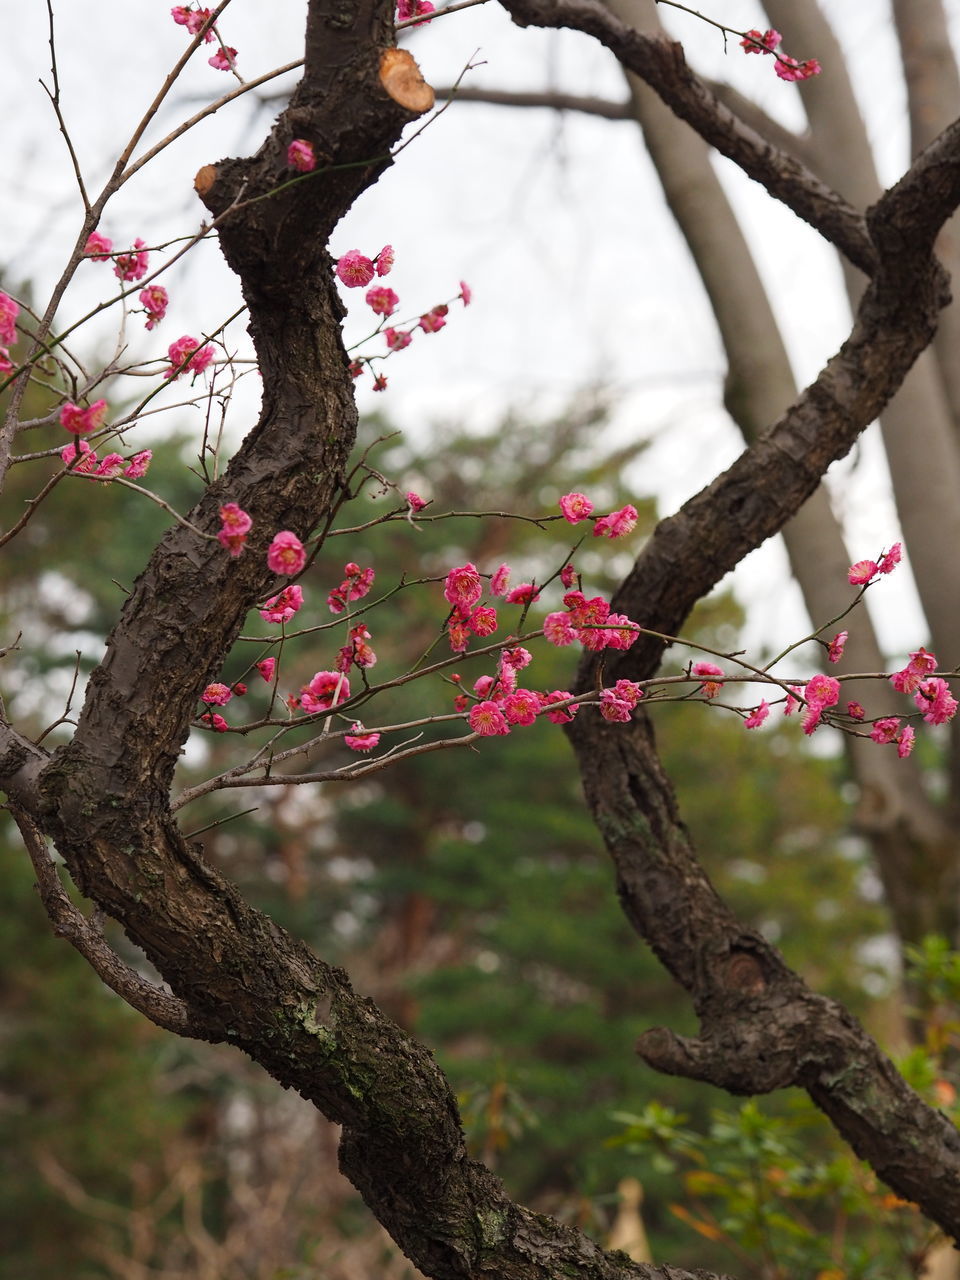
[{"x": 663, "y": 66}]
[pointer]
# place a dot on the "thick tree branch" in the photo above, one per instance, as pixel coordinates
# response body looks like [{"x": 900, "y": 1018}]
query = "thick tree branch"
[
  {"x": 760, "y": 1026},
  {"x": 663, "y": 66}
]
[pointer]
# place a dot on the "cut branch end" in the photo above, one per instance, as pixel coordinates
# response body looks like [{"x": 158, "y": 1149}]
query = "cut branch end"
[{"x": 401, "y": 79}]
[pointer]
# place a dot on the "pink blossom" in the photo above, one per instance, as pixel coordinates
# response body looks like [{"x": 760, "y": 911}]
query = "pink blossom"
[
  {"x": 359, "y": 740},
  {"x": 300, "y": 156},
  {"x": 9, "y": 310},
  {"x": 564, "y": 714},
  {"x": 905, "y": 741},
  {"x": 132, "y": 265},
  {"x": 792, "y": 700},
  {"x": 434, "y": 319},
  {"x": 499, "y": 581},
  {"x": 483, "y": 685},
  {"x": 824, "y": 690},
  {"x": 628, "y": 691},
  {"x": 235, "y": 525},
  {"x": 216, "y": 695},
  {"x": 862, "y": 572},
  {"x": 355, "y": 368},
  {"x": 414, "y": 501},
  {"x": 354, "y": 269},
  {"x": 215, "y": 721},
  {"x": 463, "y": 587},
  {"x": 620, "y": 632},
  {"x": 466, "y": 293},
  {"x": 355, "y": 585},
  {"x": 266, "y": 667},
  {"x": 709, "y": 688},
  {"x": 397, "y": 339},
  {"x": 935, "y": 701},
  {"x": 790, "y": 69},
  {"x": 821, "y": 692},
  {"x": 88, "y": 459},
  {"x": 362, "y": 655},
  {"x": 192, "y": 19},
  {"x": 760, "y": 42},
  {"x": 575, "y": 507},
  {"x": 139, "y": 465},
  {"x": 224, "y": 59},
  {"x": 459, "y": 633},
  {"x": 154, "y": 301},
  {"x": 890, "y": 559},
  {"x": 516, "y": 658},
  {"x": 558, "y": 629},
  {"x": 521, "y": 707},
  {"x": 379, "y": 382},
  {"x": 98, "y": 247},
  {"x": 461, "y": 702},
  {"x": 921, "y": 664},
  {"x": 757, "y": 716},
  {"x": 885, "y": 729},
  {"x": 109, "y": 467},
  {"x": 282, "y": 607},
  {"x": 384, "y": 260},
  {"x": 327, "y": 689},
  {"x": 80, "y": 421},
  {"x": 488, "y": 720},
  {"x": 613, "y": 708},
  {"x": 186, "y": 355},
  {"x": 523, "y": 593},
  {"x": 238, "y": 689},
  {"x": 6, "y": 364},
  {"x": 407, "y": 9},
  {"x": 286, "y": 554},
  {"x": 617, "y": 524},
  {"x": 568, "y": 576},
  {"x": 855, "y": 711},
  {"x": 835, "y": 648},
  {"x": 381, "y": 300},
  {"x": 483, "y": 621}
]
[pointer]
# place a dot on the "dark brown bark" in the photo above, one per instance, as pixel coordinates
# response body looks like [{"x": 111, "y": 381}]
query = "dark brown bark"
[{"x": 104, "y": 799}]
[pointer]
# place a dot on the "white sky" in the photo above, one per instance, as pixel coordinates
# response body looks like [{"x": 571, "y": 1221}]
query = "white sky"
[{"x": 558, "y": 224}]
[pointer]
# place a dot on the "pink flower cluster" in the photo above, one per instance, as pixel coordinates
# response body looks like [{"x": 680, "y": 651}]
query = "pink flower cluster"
[
  {"x": 154, "y": 300},
  {"x": 356, "y": 652},
  {"x": 787, "y": 68},
  {"x": 820, "y": 693},
  {"x": 502, "y": 704},
  {"x": 193, "y": 19},
  {"x": 577, "y": 507},
  {"x": 356, "y": 271},
  {"x": 235, "y": 524},
  {"x": 111, "y": 466},
  {"x": 590, "y": 622},
  {"x": 187, "y": 356},
  {"x": 463, "y": 588},
  {"x": 931, "y": 694},
  {"x": 282, "y": 607},
  {"x": 355, "y": 585},
  {"x": 617, "y": 704},
  {"x": 132, "y": 265},
  {"x": 864, "y": 571}
]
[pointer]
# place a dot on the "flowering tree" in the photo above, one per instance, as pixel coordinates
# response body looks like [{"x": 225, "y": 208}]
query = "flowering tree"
[{"x": 106, "y": 798}]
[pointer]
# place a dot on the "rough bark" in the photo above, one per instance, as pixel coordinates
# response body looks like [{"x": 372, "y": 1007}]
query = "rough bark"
[{"x": 104, "y": 798}]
